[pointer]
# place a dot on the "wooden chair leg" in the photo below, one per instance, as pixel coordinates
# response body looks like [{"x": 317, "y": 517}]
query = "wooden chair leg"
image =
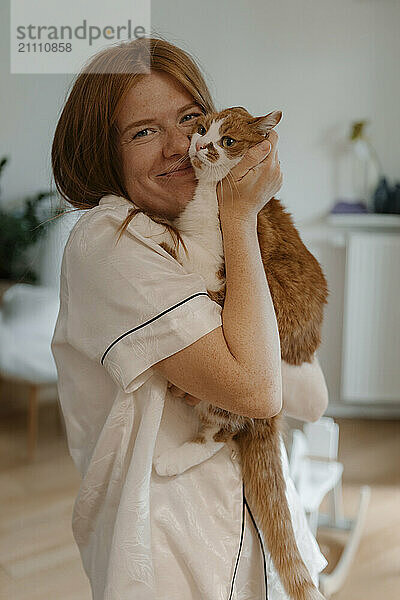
[{"x": 32, "y": 421}]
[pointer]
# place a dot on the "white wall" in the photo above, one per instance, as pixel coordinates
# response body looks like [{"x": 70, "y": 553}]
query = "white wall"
[{"x": 29, "y": 105}]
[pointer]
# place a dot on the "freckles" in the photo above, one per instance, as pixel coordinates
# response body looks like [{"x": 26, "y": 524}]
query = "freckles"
[{"x": 136, "y": 162}]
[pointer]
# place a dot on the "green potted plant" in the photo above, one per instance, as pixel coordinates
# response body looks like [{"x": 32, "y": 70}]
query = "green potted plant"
[{"x": 20, "y": 228}]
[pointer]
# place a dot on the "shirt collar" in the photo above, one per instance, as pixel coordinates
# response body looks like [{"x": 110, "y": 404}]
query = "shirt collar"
[{"x": 115, "y": 200}]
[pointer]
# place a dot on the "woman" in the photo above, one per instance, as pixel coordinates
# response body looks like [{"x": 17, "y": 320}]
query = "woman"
[{"x": 131, "y": 320}]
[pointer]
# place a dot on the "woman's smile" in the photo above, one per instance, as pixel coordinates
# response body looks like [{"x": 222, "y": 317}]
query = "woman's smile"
[{"x": 183, "y": 171}]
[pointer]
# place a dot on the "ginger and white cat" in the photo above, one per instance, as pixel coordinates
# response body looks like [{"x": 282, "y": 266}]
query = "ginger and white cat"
[{"x": 298, "y": 289}]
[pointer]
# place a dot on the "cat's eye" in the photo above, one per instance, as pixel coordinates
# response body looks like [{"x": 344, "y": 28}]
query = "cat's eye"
[
  {"x": 201, "y": 130},
  {"x": 227, "y": 141}
]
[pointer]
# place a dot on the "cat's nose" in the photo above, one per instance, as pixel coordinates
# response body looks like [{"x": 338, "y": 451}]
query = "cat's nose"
[{"x": 200, "y": 145}]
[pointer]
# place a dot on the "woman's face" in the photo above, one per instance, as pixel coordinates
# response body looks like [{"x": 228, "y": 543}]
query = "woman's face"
[{"x": 155, "y": 125}]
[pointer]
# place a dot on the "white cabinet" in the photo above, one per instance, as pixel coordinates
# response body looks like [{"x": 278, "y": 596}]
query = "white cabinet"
[{"x": 360, "y": 350}]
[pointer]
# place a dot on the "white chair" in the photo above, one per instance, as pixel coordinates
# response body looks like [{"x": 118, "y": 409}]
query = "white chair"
[{"x": 316, "y": 473}]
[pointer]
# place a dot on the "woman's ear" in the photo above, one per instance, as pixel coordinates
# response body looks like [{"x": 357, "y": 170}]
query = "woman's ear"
[{"x": 266, "y": 123}]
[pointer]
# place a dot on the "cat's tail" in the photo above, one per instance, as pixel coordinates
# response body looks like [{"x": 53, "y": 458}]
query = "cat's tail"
[{"x": 265, "y": 492}]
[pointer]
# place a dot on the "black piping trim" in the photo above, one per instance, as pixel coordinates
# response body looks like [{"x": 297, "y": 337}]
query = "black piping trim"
[
  {"x": 150, "y": 321},
  {"x": 240, "y": 545},
  {"x": 262, "y": 548}
]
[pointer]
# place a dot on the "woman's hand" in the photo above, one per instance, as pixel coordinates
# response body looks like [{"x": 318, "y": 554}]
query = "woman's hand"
[{"x": 253, "y": 181}]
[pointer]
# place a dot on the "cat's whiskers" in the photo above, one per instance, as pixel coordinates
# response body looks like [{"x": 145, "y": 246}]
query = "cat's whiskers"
[
  {"x": 230, "y": 180},
  {"x": 178, "y": 162},
  {"x": 234, "y": 183},
  {"x": 215, "y": 171},
  {"x": 176, "y": 165}
]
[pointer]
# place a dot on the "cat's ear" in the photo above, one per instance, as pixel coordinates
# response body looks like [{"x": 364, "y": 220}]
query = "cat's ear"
[{"x": 268, "y": 122}]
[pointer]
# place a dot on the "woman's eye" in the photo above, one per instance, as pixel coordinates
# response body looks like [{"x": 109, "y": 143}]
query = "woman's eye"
[
  {"x": 142, "y": 133},
  {"x": 227, "y": 141},
  {"x": 201, "y": 130},
  {"x": 138, "y": 134},
  {"x": 191, "y": 115}
]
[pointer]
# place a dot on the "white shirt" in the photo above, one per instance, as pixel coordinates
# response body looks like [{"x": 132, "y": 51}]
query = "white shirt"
[{"x": 123, "y": 308}]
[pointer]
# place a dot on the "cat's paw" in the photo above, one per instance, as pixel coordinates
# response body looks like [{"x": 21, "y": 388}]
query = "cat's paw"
[{"x": 164, "y": 466}]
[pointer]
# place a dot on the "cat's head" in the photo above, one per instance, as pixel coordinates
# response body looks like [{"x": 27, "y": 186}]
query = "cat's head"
[{"x": 220, "y": 139}]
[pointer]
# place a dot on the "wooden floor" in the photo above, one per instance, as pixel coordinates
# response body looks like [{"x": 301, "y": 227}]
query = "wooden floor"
[
  {"x": 370, "y": 452},
  {"x": 38, "y": 556}
]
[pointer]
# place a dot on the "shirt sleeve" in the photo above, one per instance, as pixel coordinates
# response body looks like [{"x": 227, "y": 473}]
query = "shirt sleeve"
[{"x": 131, "y": 304}]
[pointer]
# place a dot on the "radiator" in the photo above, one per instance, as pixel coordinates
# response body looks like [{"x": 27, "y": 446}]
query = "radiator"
[{"x": 371, "y": 333}]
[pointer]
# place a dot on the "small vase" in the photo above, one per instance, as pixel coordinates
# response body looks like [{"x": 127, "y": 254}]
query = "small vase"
[{"x": 359, "y": 169}]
